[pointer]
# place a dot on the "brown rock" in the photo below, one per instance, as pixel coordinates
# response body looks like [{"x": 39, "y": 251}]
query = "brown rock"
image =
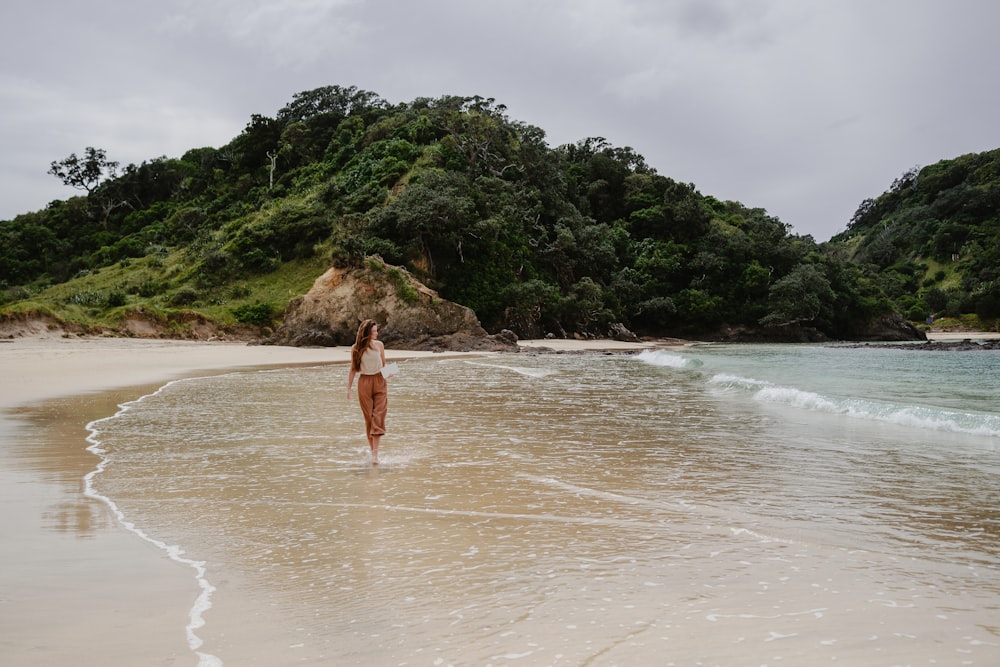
[{"x": 410, "y": 315}]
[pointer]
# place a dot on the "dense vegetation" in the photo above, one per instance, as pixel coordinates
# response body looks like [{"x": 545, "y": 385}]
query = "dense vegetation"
[
  {"x": 934, "y": 238},
  {"x": 476, "y": 205}
]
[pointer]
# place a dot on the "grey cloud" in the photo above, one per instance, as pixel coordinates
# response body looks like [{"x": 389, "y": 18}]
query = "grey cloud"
[{"x": 803, "y": 109}]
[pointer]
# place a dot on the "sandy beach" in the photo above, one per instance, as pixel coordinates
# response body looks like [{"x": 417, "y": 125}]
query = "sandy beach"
[
  {"x": 74, "y": 583},
  {"x": 43, "y": 368},
  {"x": 950, "y": 336}
]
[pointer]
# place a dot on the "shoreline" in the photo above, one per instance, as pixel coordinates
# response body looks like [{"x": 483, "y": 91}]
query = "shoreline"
[
  {"x": 42, "y": 368},
  {"x": 76, "y": 587},
  {"x": 38, "y": 369}
]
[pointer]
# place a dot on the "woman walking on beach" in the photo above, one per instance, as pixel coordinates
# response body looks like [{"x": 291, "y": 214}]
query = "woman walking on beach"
[{"x": 367, "y": 360}]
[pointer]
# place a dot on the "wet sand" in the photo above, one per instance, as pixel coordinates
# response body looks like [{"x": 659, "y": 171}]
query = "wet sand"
[{"x": 75, "y": 585}]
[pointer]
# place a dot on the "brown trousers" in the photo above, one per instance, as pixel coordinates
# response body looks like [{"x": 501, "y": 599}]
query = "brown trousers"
[{"x": 374, "y": 401}]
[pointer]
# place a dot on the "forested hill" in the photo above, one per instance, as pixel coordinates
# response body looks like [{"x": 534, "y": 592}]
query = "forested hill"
[
  {"x": 536, "y": 239},
  {"x": 934, "y": 238}
]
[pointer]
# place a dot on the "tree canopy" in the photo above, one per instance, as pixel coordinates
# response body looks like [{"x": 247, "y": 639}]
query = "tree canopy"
[
  {"x": 933, "y": 238},
  {"x": 86, "y": 173},
  {"x": 538, "y": 239}
]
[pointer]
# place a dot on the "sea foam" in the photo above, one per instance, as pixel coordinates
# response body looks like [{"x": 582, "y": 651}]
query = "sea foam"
[
  {"x": 914, "y": 416},
  {"x": 667, "y": 359},
  {"x": 527, "y": 372}
]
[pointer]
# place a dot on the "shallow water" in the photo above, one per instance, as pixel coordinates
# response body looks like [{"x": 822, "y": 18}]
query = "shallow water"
[{"x": 712, "y": 505}]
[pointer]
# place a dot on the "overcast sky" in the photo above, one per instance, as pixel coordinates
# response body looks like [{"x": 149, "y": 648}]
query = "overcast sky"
[{"x": 800, "y": 107}]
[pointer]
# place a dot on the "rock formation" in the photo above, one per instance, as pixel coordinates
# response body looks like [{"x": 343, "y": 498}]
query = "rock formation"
[
  {"x": 410, "y": 315},
  {"x": 890, "y": 328},
  {"x": 886, "y": 328}
]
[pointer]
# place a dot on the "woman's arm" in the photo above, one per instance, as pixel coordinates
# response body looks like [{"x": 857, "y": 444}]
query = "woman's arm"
[
  {"x": 350, "y": 381},
  {"x": 381, "y": 351}
]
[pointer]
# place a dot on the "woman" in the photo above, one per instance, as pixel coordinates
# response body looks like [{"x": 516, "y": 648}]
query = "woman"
[{"x": 367, "y": 360}]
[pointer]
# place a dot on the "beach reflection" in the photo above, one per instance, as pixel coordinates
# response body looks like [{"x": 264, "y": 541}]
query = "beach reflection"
[
  {"x": 50, "y": 443},
  {"x": 73, "y": 582},
  {"x": 541, "y": 509}
]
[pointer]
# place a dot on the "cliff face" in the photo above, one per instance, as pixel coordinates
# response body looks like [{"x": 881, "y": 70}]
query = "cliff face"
[{"x": 409, "y": 314}]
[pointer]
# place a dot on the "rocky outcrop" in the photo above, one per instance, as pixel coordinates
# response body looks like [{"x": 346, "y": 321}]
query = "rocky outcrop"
[
  {"x": 787, "y": 334},
  {"x": 966, "y": 345},
  {"x": 889, "y": 328},
  {"x": 410, "y": 315}
]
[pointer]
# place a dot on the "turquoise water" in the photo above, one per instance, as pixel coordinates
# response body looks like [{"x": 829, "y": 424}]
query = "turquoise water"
[{"x": 714, "y": 504}]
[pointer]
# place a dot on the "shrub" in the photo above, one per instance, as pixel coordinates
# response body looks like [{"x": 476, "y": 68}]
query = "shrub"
[
  {"x": 185, "y": 296},
  {"x": 404, "y": 288},
  {"x": 216, "y": 265},
  {"x": 149, "y": 287},
  {"x": 258, "y": 261},
  {"x": 258, "y": 314},
  {"x": 114, "y": 299},
  {"x": 86, "y": 298},
  {"x": 239, "y": 291}
]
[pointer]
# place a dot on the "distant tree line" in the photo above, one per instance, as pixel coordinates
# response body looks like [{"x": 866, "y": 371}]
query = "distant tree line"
[
  {"x": 536, "y": 239},
  {"x": 933, "y": 238}
]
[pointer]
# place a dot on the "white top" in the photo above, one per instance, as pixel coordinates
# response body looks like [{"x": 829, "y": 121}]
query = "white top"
[{"x": 371, "y": 362}]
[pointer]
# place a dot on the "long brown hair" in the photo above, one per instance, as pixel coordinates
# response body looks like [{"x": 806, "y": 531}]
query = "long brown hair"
[{"x": 361, "y": 343}]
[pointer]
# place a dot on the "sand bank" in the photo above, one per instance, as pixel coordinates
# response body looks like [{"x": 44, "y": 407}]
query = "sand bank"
[
  {"x": 949, "y": 336},
  {"x": 40, "y": 368},
  {"x": 572, "y": 345}
]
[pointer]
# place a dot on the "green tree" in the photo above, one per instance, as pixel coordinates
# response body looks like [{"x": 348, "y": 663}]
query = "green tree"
[
  {"x": 798, "y": 297},
  {"x": 429, "y": 220},
  {"x": 84, "y": 173}
]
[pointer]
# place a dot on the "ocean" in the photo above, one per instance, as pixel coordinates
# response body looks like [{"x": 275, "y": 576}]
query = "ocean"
[{"x": 709, "y": 504}]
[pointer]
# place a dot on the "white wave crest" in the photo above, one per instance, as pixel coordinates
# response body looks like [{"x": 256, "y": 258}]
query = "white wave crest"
[
  {"x": 911, "y": 416},
  {"x": 797, "y": 398},
  {"x": 728, "y": 381},
  {"x": 666, "y": 359},
  {"x": 527, "y": 372}
]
